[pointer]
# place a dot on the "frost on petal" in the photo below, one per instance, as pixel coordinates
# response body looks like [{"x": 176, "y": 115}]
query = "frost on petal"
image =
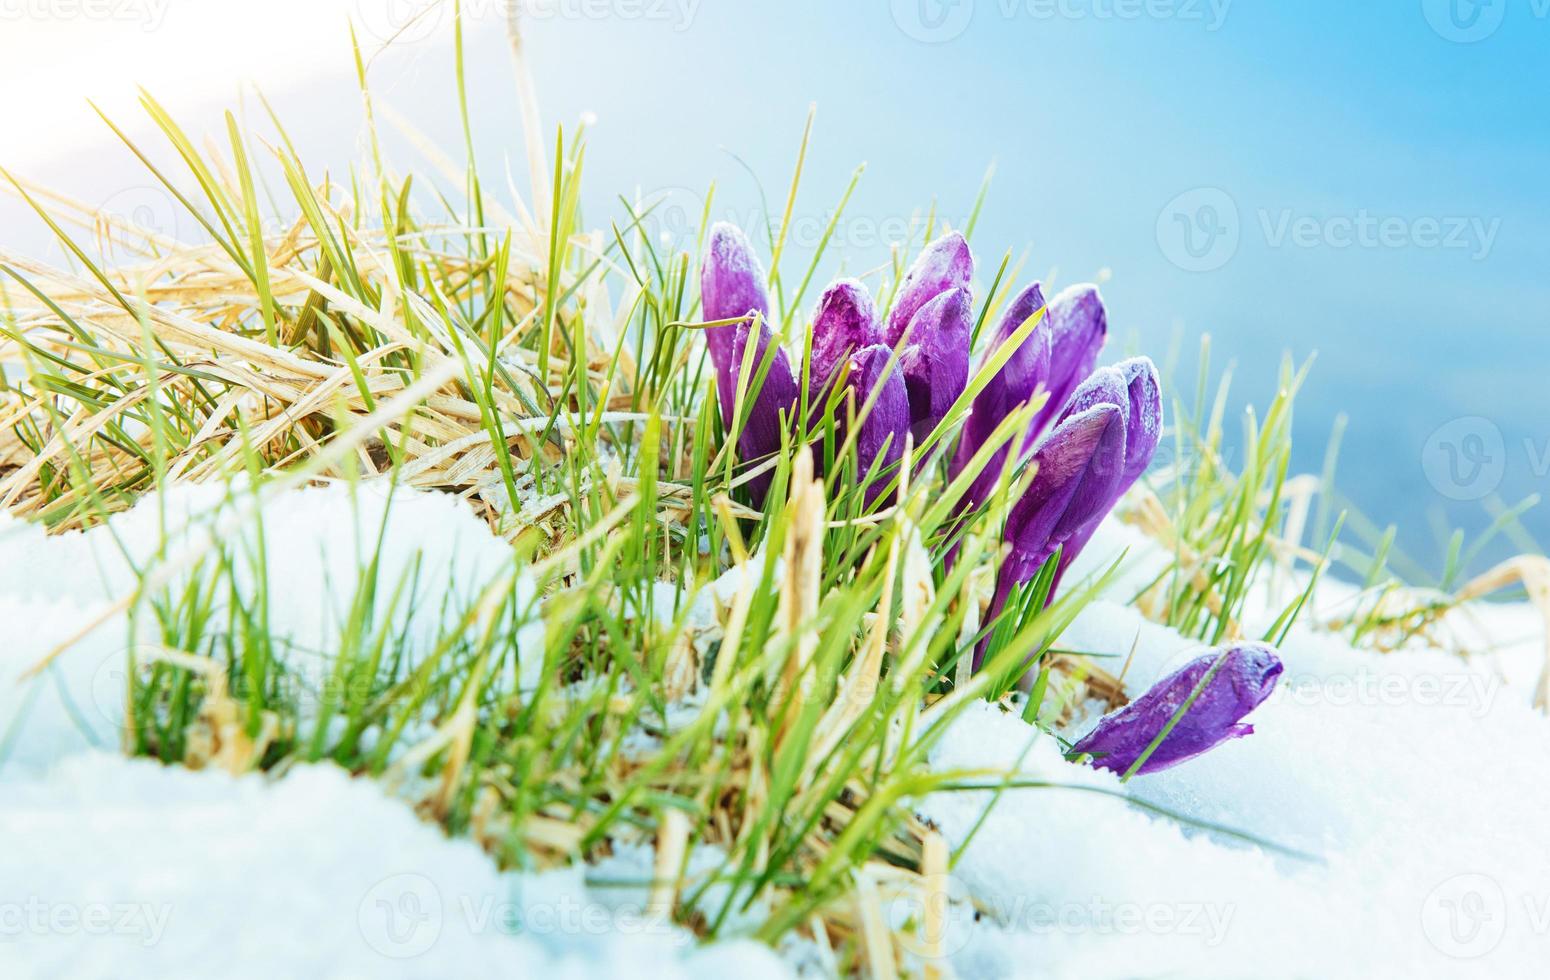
[
  {"x": 1079, "y": 326},
  {"x": 945, "y": 264},
  {"x": 845, "y": 323},
  {"x": 1146, "y": 416},
  {"x": 1244, "y": 679},
  {"x": 882, "y": 431},
  {"x": 936, "y": 361},
  {"x": 761, "y": 433},
  {"x": 732, "y": 283}
]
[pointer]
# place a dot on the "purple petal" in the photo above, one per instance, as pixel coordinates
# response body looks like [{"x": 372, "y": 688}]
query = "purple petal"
[
  {"x": 1009, "y": 389},
  {"x": 761, "y": 434},
  {"x": 936, "y": 361},
  {"x": 1132, "y": 386},
  {"x": 846, "y": 322},
  {"x": 945, "y": 264},
  {"x": 1144, "y": 429},
  {"x": 1079, "y": 326},
  {"x": 883, "y": 430},
  {"x": 1079, "y": 463},
  {"x": 1246, "y": 676},
  {"x": 1071, "y": 489},
  {"x": 732, "y": 283}
]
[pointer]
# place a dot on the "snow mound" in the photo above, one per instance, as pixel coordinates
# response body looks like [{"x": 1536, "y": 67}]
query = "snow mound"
[{"x": 117, "y": 868}]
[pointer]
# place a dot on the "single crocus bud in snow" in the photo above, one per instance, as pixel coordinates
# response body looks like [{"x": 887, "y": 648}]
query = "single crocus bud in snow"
[
  {"x": 1009, "y": 389},
  {"x": 882, "y": 432},
  {"x": 1241, "y": 682},
  {"x": 1079, "y": 327},
  {"x": 935, "y": 308},
  {"x": 845, "y": 323}
]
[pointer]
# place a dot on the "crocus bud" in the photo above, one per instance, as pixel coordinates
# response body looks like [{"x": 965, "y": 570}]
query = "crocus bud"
[
  {"x": 1079, "y": 464},
  {"x": 1078, "y": 329},
  {"x": 945, "y": 264},
  {"x": 1132, "y": 386},
  {"x": 1144, "y": 427},
  {"x": 732, "y": 284},
  {"x": 846, "y": 322},
  {"x": 883, "y": 430},
  {"x": 936, "y": 361},
  {"x": 1010, "y": 388},
  {"x": 761, "y": 433},
  {"x": 1240, "y": 683},
  {"x": 1073, "y": 487}
]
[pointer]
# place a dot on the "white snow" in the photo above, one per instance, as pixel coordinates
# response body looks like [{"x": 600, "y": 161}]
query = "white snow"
[{"x": 1418, "y": 783}]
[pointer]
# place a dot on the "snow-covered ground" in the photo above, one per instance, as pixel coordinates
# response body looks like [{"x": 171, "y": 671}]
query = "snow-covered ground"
[{"x": 1415, "y": 785}]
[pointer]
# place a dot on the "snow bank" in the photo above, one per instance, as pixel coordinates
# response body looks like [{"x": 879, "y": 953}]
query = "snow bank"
[
  {"x": 116, "y": 868},
  {"x": 125, "y": 868},
  {"x": 1417, "y": 783}
]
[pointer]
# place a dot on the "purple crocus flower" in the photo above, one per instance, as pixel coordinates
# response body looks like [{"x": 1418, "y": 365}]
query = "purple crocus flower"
[
  {"x": 1242, "y": 680},
  {"x": 1008, "y": 390},
  {"x": 732, "y": 284},
  {"x": 1101, "y": 445},
  {"x": 935, "y": 308},
  {"x": 1132, "y": 384},
  {"x": 845, "y": 323},
  {"x": 1079, "y": 327},
  {"x": 1075, "y": 486},
  {"x": 880, "y": 438}
]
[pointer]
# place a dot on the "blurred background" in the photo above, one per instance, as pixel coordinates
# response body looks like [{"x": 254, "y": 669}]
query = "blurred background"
[{"x": 1364, "y": 182}]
